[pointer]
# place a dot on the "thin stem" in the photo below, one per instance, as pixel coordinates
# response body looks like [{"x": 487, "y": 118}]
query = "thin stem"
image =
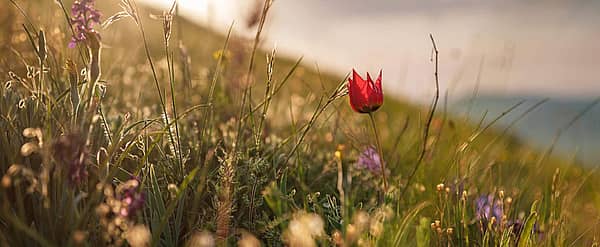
[
  {"x": 340, "y": 186},
  {"x": 429, "y": 118},
  {"x": 170, "y": 62},
  {"x": 337, "y": 93},
  {"x": 385, "y": 187},
  {"x": 140, "y": 25},
  {"x": 564, "y": 128},
  {"x": 246, "y": 95}
]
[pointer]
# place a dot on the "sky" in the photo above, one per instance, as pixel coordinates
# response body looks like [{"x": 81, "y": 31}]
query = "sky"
[{"x": 507, "y": 47}]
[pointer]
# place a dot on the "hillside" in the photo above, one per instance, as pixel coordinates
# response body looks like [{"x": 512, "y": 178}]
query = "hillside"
[
  {"x": 540, "y": 126},
  {"x": 212, "y": 177}
]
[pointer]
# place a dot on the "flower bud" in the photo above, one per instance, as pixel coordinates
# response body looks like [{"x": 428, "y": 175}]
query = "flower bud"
[{"x": 440, "y": 187}]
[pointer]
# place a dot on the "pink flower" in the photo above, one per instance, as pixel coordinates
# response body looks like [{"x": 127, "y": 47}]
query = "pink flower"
[
  {"x": 85, "y": 15},
  {"x": 131, "y": 197}
]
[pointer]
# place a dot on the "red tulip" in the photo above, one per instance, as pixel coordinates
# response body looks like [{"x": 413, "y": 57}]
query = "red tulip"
[{"x": 365, "y": 96}]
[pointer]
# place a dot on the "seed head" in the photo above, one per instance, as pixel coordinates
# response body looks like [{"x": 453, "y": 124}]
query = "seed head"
[
  {"x": 138, "y": 236},
  {"x": 440, "y": 187}
]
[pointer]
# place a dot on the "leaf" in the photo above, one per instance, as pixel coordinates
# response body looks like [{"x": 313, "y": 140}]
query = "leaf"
[
  {"x": 157, "y": 204},
  {"x": 172, "y": 206},
  {"x": 173, "y": 8},
  {"x": 402, "y": 229},
  {"x": 42, "y": 51},
  {"x": 117, "y": 16},
  {"x": 526, "y": 234},
  {"x": 423, "y": 232}
]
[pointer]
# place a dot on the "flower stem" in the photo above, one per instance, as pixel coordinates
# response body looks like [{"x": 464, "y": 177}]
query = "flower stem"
[{"x": 379, "y": 150}]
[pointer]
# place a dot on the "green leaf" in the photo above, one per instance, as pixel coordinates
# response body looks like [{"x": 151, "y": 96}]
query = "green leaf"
[
  {"x": 526, "y": 234},
  {"x": 423, "y": 232},
  {"x": 172, "y": 205},
  {"x": 402, "y": 228}
]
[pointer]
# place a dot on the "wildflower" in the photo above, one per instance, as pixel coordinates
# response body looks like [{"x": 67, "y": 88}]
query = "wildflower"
[
  {"x": 376, "y": 228},
  {"x": 420, "y": 187},
  {"x": 33, "y": 146},
  {"x": 29, "y": 148},
  {"x": 338, "y": 155},
  {"x": 486, "y": 208},
  {"x": 138, "y": 236},
  {"x": 70, "y": 151},
  {"x": 361, "y": 220},
  {"x": 33, "y": 133},
  {"x": 352, "y": 232},
  {"x": 337, "y": 238},
  {"x": 6, "y": 181},
  {"x": 360, "y": 223},
  {"x": 303, "y": 229},
  {"x": 114, "y": 214},
  {"x": 201, "y": 239},
  {"x": 439, "y": 187},
  {"x": 378, "y": 218},
  {"x": 248, "y": 240},
  {"x": 370, "y": 160},
  {"x": 221, "y": 54},
  {"x": 173, "y": 190},
  {"x": 17, "y": 174},
  {"x": 79, "y": 237},
  {"x": 132, "y": 199},
  {"x": 85, "y": 15},
  {"x": 366, "y": 96}
]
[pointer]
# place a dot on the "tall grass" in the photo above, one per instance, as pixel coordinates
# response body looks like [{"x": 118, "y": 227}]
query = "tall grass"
[{"x": 119, "y": 142}]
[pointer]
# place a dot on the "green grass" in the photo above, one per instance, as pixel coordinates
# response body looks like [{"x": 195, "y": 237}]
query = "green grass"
[{"x": 208, "y": 175}]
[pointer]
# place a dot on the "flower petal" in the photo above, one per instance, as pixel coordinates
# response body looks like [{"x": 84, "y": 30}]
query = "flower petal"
[
  {"x": 356, "y": 77},
  {"x": 378, "y": 81}
]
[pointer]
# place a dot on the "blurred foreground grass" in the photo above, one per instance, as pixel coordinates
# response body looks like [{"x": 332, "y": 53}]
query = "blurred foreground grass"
[{"x": 126, "y": 164}]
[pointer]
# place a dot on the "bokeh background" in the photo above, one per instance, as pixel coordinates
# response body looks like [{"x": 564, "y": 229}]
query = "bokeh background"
[
  {"x": 493, "y": 53},
  {"x": 262, "y": 143}
]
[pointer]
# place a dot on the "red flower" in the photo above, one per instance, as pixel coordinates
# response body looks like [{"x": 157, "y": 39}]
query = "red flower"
[{"x": 365, "y": 96}]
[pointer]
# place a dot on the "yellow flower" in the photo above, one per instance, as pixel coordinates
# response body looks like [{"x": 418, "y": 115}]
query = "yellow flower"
[{"x": 221, "y": 53}]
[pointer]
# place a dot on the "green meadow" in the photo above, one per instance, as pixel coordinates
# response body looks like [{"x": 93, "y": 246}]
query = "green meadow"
[{"x": 153, "y": 131}]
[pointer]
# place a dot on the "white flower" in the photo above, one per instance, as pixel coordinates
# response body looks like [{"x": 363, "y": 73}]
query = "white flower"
[{"x": 303, "y": 229}]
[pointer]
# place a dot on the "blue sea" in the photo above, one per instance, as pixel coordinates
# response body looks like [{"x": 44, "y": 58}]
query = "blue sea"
[{"x": 579, "y": 140}]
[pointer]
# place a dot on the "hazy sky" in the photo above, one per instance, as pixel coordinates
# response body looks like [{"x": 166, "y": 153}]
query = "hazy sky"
[{"x": 541, "y": 47}]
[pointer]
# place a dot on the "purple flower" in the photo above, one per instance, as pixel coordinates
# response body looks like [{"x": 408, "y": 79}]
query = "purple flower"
[
  {"x": 369, "y": 159},
  {"x": 85, "y": 15},
  {"x": 131, "y": 197},
  {"x": 69, "y": 150},
  {"x": 486, "y": 207},
  {"x": 517, "y": 226}
]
